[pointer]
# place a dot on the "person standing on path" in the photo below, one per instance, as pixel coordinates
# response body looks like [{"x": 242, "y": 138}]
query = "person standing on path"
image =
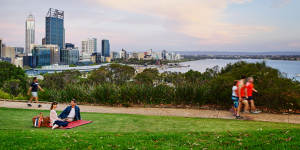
[{"x": 34, "y": 87}]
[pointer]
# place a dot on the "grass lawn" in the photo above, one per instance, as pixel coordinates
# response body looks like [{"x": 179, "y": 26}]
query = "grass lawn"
[{"x": 122, "y": 131}]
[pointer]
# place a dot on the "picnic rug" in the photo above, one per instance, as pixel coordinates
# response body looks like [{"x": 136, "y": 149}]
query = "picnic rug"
[{"x": 77, "y": 123}]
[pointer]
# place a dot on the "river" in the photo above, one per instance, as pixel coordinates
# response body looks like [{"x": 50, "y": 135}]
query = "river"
[{"x": 290, "y": 68}]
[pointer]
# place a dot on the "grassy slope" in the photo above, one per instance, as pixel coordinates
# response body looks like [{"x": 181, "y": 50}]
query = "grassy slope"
[{"x": 122, "y": 131}]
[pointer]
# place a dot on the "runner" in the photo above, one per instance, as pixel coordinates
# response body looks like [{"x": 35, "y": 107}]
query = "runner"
[
  {"x": 241, "y": 93},
  {"x": 34, "y": 87},
  {"x": 235, "y": 98},
  {"x": 250, "y": 89}
]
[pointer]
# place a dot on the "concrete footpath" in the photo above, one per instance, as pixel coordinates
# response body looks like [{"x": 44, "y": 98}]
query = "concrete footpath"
[{"x": 200, "y": 113}]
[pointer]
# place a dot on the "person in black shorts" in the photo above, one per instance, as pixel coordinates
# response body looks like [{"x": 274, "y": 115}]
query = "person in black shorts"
[{"x": 34, "y": 87}]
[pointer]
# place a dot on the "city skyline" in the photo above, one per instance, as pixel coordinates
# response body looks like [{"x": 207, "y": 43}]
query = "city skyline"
[{"x": 215, "y": 25}]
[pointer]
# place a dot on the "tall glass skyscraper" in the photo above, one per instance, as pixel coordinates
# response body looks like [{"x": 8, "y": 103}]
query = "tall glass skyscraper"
[
  {"x": 105, "y": 48},
  {"x": 55, "y": 31},
  {"x": 29, "y": 33}
]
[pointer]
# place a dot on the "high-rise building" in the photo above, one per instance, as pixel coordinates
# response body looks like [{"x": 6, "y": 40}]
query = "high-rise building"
[
  {"x": 42, "y": 56},
  {"x": 89, "y": 46},
  {"x": 0, "y": 47},
  {"x": 69, "y": 56},
  {"x": 19, "y": 50},
  {"x": 29, "y": 33},
  {"x": 105, "y": 48},
  {"x": 54, "y": 52},
  {"x": 55, "y": 31},
  {"x": 96, "y": 58},
  {"x": 9, "y": 52},
  {"x": 69, "y": 45},
  {"x": 123, "y": 54},
  {"x": 43, "y": 41}
]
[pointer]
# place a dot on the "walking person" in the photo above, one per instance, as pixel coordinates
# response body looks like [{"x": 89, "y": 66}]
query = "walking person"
[
  {"x": 34, "y": 87},
  {"x": 241, "y": 93},
  {"x": 56, "y": 122},
  {"x": 235, "y": 98},
  {"x": 250, "y": 90}
]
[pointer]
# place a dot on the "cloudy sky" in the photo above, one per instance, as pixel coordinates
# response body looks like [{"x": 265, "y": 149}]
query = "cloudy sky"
[{"x": 136, "y": 25}]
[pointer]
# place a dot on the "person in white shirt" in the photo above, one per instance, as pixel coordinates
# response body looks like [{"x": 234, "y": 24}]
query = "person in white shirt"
[
  {"x": 56, "y": 122},
  {"x": 235, "y": 98}
]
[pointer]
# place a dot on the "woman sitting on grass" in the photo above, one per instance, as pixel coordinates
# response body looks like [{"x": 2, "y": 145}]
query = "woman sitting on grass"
[{"x": 54, "y": 120}]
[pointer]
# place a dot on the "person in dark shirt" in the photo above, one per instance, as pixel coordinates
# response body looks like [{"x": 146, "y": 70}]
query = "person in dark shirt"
[{"x": 34, "y": 87}]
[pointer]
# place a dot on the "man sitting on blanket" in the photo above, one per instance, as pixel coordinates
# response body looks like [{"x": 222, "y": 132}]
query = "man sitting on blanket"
[{"x": 71, "y": 113}]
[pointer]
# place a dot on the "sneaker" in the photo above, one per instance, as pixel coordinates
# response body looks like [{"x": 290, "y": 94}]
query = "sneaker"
[
  {"x": 55, "y": 126},
  {"x": 29, "y": 105},
  {"x": 39, "y": 105},
  {"x": 246, "y": 112},
  {"x": 239, "y": 117},
  {"x": 256, "y": 112}
]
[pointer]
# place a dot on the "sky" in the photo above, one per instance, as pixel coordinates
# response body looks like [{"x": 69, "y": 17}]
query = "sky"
[{"x": 174, "y": 25}]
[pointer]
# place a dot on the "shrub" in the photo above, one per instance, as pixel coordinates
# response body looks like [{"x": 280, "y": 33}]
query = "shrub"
[{"x": 5, "y": 95}]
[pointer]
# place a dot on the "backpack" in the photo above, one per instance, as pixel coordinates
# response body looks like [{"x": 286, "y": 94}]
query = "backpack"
[
  {"x": 37, "y": 120},
  {"x": 41, "y": 121}
]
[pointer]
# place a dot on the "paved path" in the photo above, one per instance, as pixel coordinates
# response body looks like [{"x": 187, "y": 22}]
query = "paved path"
[{"x": 201, "y": 113}]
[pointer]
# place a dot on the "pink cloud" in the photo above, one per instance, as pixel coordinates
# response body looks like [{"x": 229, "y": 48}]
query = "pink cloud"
[{"x": 199, "y": 19}]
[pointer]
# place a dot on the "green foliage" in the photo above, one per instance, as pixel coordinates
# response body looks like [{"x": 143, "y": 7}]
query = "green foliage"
[
  {"x": 60, "y": 80},
  {"x": 147, "y": 76},
  {"x": 113, "y": 73},
  {"x": 118, "y": 84},
  {"x": 9, "y": 73},
  {"x": 12, "y": 87},
  {"x": 4, "y": 95}
]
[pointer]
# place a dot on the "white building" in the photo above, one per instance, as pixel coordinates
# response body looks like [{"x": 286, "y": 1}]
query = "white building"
[
  {"x": 89, "y": 46},
  {"x": 29, "y": 33}
]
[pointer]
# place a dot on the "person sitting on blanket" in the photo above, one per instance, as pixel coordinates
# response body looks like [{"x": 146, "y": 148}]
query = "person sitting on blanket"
[
  {"x": 71, "y": 113},
  {"x": 54, "y": 120}
]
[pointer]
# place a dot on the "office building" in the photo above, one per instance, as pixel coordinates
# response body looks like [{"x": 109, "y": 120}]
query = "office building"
[
  {"x": 163, "y": 54},
  {"x": 96, "y": 58},
  {"x": 42, "y": 56},
  {"x": 105, "y": 48},
  {"x": 0, "y": 47},
  {"x": 54, "y": 53},
  {"x": 55, "y": 32},
  {"x": 19, "y": 50},
  {"x": 115, "y": 55},
  {"x": 18, "y": 62},
  {"x": 89, "y": 46},
  {"x": 29, "y": 33},
  {"x": 123, "y": 54},
  {"x": 29, "y": 61},
  {"x": 69, "y": 46},
  {"x": 9, "y": 52},
  {"x": 43, "y": 41},
  {"x": 69, "y": 56}
]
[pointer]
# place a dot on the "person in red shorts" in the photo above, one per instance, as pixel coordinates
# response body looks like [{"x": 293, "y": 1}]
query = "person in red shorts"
[
  {"x": 241, "y": 94},
  {"x": 250, "y": 89}
]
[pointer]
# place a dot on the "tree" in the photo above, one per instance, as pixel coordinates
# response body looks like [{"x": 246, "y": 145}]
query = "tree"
[
  {"x": 9, "y": 73},
  {"x": 147, "y": 76}
]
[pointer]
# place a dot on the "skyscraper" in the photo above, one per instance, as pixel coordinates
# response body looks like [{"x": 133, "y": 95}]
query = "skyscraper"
[
  {"x": 55, "y": 32},
  {"x": 0, "y": 47},
  {"x": 89, "y": 46},
  {"x": 105, "y": 48},
  {"x": 29, "y": 33}
]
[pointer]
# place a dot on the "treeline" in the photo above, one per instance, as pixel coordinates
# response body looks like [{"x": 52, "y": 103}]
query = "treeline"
[{"x": 117, "y": 84}]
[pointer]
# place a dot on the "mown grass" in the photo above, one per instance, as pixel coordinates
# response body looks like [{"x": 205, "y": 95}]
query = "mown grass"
[{"x": 120, "y": 131}]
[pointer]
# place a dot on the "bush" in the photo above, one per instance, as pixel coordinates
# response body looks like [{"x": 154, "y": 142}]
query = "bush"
[
  {"x": 115, "y": 84},
  {"x": 4, "y": 95}
]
